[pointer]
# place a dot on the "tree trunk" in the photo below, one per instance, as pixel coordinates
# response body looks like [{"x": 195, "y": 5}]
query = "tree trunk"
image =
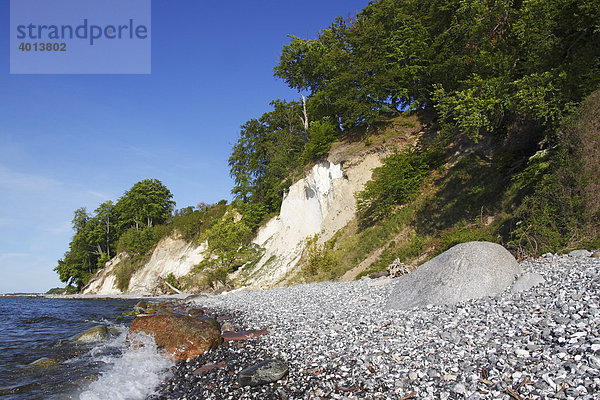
[
  {"x": 100, "y": 250},
  {"x": 108, "y": 235},
  {"x": 172, "y": 287},
  {"x": 305, "y": 119}
]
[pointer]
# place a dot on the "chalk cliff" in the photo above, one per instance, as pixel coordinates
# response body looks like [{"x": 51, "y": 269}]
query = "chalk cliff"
[
  {"x": 171, "y": 256},
  {"x": 320, "y": 204}
]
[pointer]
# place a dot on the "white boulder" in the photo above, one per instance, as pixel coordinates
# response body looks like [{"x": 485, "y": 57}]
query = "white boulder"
[{"x": 466, "y": 271}]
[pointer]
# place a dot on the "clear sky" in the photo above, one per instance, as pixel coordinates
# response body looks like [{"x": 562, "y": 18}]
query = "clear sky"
[{"x": 70, "y": 141}]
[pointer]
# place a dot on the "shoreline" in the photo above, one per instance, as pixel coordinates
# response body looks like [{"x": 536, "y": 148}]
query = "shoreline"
[
  {"x": 182, "y": 296},
  {"x": 339, "y": 342}
]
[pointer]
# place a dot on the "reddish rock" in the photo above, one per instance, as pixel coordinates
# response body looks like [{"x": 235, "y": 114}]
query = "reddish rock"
[
  {"x": 243, "y": 335},
  {"x": 211, "y": 321},
  {"x": 195, "y": 312},
  {"x": 181, "y": 336},
  {"x": 208, "y": 367}
]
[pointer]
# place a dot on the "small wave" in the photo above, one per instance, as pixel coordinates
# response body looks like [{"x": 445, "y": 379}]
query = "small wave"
[
  {"x": 131, "y": 375},
  {"x": 42, "y": 319}
]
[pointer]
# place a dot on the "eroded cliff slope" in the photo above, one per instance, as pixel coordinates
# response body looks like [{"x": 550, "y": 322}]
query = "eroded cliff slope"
[{"x": 321, "y": 203}]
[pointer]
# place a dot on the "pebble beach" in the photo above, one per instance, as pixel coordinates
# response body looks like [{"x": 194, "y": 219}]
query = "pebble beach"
[{"x": 340, "y": 342}]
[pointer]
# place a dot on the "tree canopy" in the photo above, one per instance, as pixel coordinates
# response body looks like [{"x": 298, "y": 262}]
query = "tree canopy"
[
  {"x": 96, "y": 236},
  {"x": 478, "y": 63},
  {"x": 267, "y": 153},
  {"x": 148, "y": 202},
  {"x": 482, "y": 67}
]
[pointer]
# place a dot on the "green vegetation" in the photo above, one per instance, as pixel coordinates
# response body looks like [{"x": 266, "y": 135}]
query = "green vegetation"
[
  {"x": 228, "y": 248},
  {"x": 127, "y": 267},
  {"x": 267, "y": 154},
  {"x": 395, "y": 183},
  {"x": 320, "y": 136},
  {"x": 65, "y": 290},
  {"x": 122, "y": 227},
  {"x": 228, "y": 242},
  {"x": 501, "y": 74},
  {"x": 319, "y": 260},
  {"x": 552, "y": 203},
  {"x": 171, "y": 280},
  {"x": 127, "y": 225},
  {"x": 563, "y": 208}
]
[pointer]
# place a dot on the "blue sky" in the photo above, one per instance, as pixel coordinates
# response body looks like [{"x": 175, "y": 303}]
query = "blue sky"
[{"x": 70, "y": 141}]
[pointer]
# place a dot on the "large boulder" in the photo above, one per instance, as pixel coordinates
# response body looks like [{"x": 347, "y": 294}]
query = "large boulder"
[
  {"x": 181, "y": 336},
  {"x": 44, "y": 362},
  {"x": 95, "y": 334},
  {"x": 466, "y": 271}
]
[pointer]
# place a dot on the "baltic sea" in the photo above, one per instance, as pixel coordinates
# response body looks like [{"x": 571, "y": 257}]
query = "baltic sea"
[{"x": 39, "y": 358}]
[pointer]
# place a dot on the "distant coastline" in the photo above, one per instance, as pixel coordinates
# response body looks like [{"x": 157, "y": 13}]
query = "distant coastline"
[{"x": 95, "y": 296}]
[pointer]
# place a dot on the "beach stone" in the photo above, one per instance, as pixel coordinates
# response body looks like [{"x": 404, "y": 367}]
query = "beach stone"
[
  {"x": 243, "y": 335},
  {"x": 95, "y": 334},
  {"x": 466, "y": 271},
  {"x": 380, "y": 274},
  {"x": 459, "y": 388},
  {"x": 580, "y": 253},
  {"x": 181, "y": 336},
  {"x": 227, "y": 327},
  {"x": 140, "y": 306},
  {"x": 596, "y": 254},
  {"x": 208, "y": 367},
  {"x": 263, "y": 373},
  {"x": 527, "y": 281},
  {"x": 195, "y": 312}
]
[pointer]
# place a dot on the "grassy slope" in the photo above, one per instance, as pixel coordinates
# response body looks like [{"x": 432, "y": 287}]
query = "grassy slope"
[{"x": 464, "y": 199}]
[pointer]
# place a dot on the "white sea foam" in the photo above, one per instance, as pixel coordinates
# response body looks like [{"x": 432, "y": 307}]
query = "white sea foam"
[{"x": 131, "y": 375}]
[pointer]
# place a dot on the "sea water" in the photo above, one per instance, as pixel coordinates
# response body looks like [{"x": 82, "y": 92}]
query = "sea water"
[{"x": 36, "y": 328}]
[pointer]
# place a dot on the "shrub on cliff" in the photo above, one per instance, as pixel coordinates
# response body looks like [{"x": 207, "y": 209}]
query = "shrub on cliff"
[
  {"x": 320, "y": 136},
  {"x": 564, "y": 208},
  {"x": 395, "y": 183}
]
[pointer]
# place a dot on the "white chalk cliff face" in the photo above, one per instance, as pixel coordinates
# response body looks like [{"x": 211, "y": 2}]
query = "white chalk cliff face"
[
  {"x": 320, "y": 204},
  {"x": 171, "y": 256},
  {"x": 105, "y": 282}
]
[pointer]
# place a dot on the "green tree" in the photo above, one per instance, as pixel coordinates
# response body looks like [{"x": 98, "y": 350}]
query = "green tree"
[
  {"x": 102, "y": 231},
  {"x": 228, "y": 242},
  {"x": 395, "y": 183},
  {"x": 79, "y": 262},
  {"x": 267, "y": 153},
  {"x": 97, "y": 237},
  {"x": 321, "y": 134},
  {"x": 148, "y": 202},
  {"x": 482, "y": 64},
  {"x": 562, "y": 207}
]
